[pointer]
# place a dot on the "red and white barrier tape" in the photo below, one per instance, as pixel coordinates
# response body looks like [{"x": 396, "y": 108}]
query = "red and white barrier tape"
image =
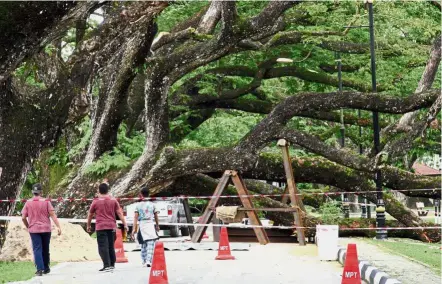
[
  {"x": 67, "y": 220},
  {"x": 61, "y": 199}
]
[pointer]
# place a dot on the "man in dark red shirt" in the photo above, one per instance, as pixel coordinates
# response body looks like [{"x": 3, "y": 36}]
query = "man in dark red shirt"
[
  {"x": 105, "y": 207},
  {"x": 35, "y": 216}
]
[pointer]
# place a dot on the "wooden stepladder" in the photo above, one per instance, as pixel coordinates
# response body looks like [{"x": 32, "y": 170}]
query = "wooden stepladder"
[
  {"x": 245, "y": 200},
  {"x": 295, "y": 199}
]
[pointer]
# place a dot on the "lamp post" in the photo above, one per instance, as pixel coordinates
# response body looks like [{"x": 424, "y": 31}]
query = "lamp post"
[
  {"x": 381, "y": 234},
  {"x": 345, "y": 204}
]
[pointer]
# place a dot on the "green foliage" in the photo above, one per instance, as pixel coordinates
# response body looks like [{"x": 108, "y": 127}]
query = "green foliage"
[
  {"x": 401, "y": 53},
  {"x": 108, "y": 161},
  {"x": 430, "y": 254},
  {"x": 16, "y": 271},
  {"x": 85, "y": 131},
  {"x": 198, "y": 204},
  {"x": 27, "y": 72},
  {"x": 178, "y": 12},
  {"x": 58, "y": 156},
  {"x": 221, "y": 130},
  {"x": 32, "y": 178},
  {"x": 127, "y": 149},
  {"x": 132, "y": 147},
  {"x": 330, "y": 213}
]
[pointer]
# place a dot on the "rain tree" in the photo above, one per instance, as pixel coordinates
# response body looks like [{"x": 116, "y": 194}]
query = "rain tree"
[{"x": 171, "y": 94}]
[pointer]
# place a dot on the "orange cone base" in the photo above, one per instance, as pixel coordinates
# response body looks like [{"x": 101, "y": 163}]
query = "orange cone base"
[
  {"x": 119, "y": 248},
  {"x": 224, "y": 257},
  {"x": 121, "y": 260}
]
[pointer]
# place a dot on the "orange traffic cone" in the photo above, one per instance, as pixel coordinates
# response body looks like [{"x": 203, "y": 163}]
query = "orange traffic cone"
[
  {"x": 351, "y": 274},
  {"x": 224, "y": 246},
  {"x": 119, "y": 249},
  {"x": 158, "y": 272}
]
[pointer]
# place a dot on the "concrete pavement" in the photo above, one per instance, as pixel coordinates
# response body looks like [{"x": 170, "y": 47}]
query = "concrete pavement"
[{"x": 273, "y": 263}]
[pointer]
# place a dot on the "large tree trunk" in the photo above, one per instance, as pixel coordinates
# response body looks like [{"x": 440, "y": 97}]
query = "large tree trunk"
[
  {"x": 115, "y": 79},
  {"x": 157, "y": 130},
  {"x": 30, "y": 125}
]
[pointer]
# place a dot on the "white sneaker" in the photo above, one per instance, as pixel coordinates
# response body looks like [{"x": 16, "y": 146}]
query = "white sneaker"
[{"x": 143, "y": 264}]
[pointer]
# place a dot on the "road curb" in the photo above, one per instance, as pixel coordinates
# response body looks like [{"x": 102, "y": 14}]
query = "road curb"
[{"x": 369, "y": 273}]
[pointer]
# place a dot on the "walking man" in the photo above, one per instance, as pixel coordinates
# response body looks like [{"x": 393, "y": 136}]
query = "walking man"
[
  {"x": 105, "y": 207},
  {"x": 147, "y": 216},
  {"x": 35, "y": 216}
]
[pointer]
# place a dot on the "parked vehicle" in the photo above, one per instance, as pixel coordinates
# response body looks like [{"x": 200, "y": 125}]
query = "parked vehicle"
[{"x": 171, "y": 210}]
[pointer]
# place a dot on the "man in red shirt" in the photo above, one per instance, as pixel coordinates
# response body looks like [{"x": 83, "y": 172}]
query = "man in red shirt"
[
  {"x": 35, "y": 216},
  {"x": 105, "y": 207}
]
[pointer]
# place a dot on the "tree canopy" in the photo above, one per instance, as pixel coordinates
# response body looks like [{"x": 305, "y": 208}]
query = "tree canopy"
[{"x": 171, "y": 94}]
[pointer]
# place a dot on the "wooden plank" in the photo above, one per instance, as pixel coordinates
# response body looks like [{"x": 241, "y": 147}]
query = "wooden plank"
[
  {"x": 208, "y": 212},
  {"x": 188, "y": 215},
  {"x": 295, "y": 200},
  {"x": 285, "y": 197},
  {"x": 247, "y": 203},
  {"x": 216, "y": 230}
]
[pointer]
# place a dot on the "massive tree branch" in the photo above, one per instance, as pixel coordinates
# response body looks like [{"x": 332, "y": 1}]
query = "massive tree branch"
[
  {"x": 133, "y": 47},
  {"x": 165, "y": 70},
  {"x": 211, "y": 17},
  {"x": 228, "y": 16},
  {"x": 426, "y": 80},
  {"x": 22, "y": 139},
  {"x": 173, "y": 165},
  {"x": 273, "y": 123},
  {"x": 21, "y": 40},
  {"x": 264, "y": 22},
  {"x": 290, "y": 71},
  {"x": 265, "y": 107},
  {"x": 408, "y": 126},
  {"x": 315, "y": 145}
]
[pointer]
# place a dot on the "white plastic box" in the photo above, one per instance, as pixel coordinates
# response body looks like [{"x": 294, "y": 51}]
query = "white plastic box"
[{"x": 327, "y": 241}]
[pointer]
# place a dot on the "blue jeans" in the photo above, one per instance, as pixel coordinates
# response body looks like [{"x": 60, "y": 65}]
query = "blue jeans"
[{"x": 40, "y": 246}]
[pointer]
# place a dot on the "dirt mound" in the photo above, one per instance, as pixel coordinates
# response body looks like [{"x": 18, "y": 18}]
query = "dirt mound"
[{"x": 74, "y": 244}]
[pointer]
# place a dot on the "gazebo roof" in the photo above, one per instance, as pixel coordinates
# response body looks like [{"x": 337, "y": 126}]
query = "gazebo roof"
[{"x": 425, "y": 170}]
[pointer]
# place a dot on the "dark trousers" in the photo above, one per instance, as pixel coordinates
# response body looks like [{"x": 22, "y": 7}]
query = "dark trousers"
[
  {"x": 106, "y": 248},
  {"x": 40, "y": 246}
]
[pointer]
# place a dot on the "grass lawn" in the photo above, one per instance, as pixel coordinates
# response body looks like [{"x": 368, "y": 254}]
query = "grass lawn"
[
  {"x": 429, "y": 254},
  {"x": 16, "y": 271}
]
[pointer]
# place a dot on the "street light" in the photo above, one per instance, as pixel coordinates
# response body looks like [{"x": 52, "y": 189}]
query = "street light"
[
  {"x": 345, "y": 203},
  {"x": 381, "y": 234}
]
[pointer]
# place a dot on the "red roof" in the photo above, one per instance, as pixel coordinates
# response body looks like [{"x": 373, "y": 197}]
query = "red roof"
[{"x": 424, "y": 170}]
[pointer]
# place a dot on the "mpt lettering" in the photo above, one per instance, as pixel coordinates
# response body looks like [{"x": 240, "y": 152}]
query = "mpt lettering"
[
  {"x": 157, "y": 273},
  {"x": 350, "y": 274}
]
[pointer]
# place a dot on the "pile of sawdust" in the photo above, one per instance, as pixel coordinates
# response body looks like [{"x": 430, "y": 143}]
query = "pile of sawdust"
[{"x": 74, "y": 244}]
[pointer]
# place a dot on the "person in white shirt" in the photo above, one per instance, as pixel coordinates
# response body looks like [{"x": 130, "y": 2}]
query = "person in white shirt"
[{"x": 146, "y": 215}]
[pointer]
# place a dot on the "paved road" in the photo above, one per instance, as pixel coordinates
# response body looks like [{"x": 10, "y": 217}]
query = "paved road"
[
  {"x": 403, "y": 269},
  {"x": 273, "y": 263}
]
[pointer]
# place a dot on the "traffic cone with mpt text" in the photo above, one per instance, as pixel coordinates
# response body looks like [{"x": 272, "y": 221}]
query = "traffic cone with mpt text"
[
  {"x": 158, "y": 272},
  {"x": 351, "y": 274},
  {"x": 224, "y": 246},
  {"x": 119, "y": 249}
]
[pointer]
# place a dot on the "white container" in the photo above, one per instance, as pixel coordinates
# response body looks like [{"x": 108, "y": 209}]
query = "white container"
[{"x": 327, "y": 241}]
